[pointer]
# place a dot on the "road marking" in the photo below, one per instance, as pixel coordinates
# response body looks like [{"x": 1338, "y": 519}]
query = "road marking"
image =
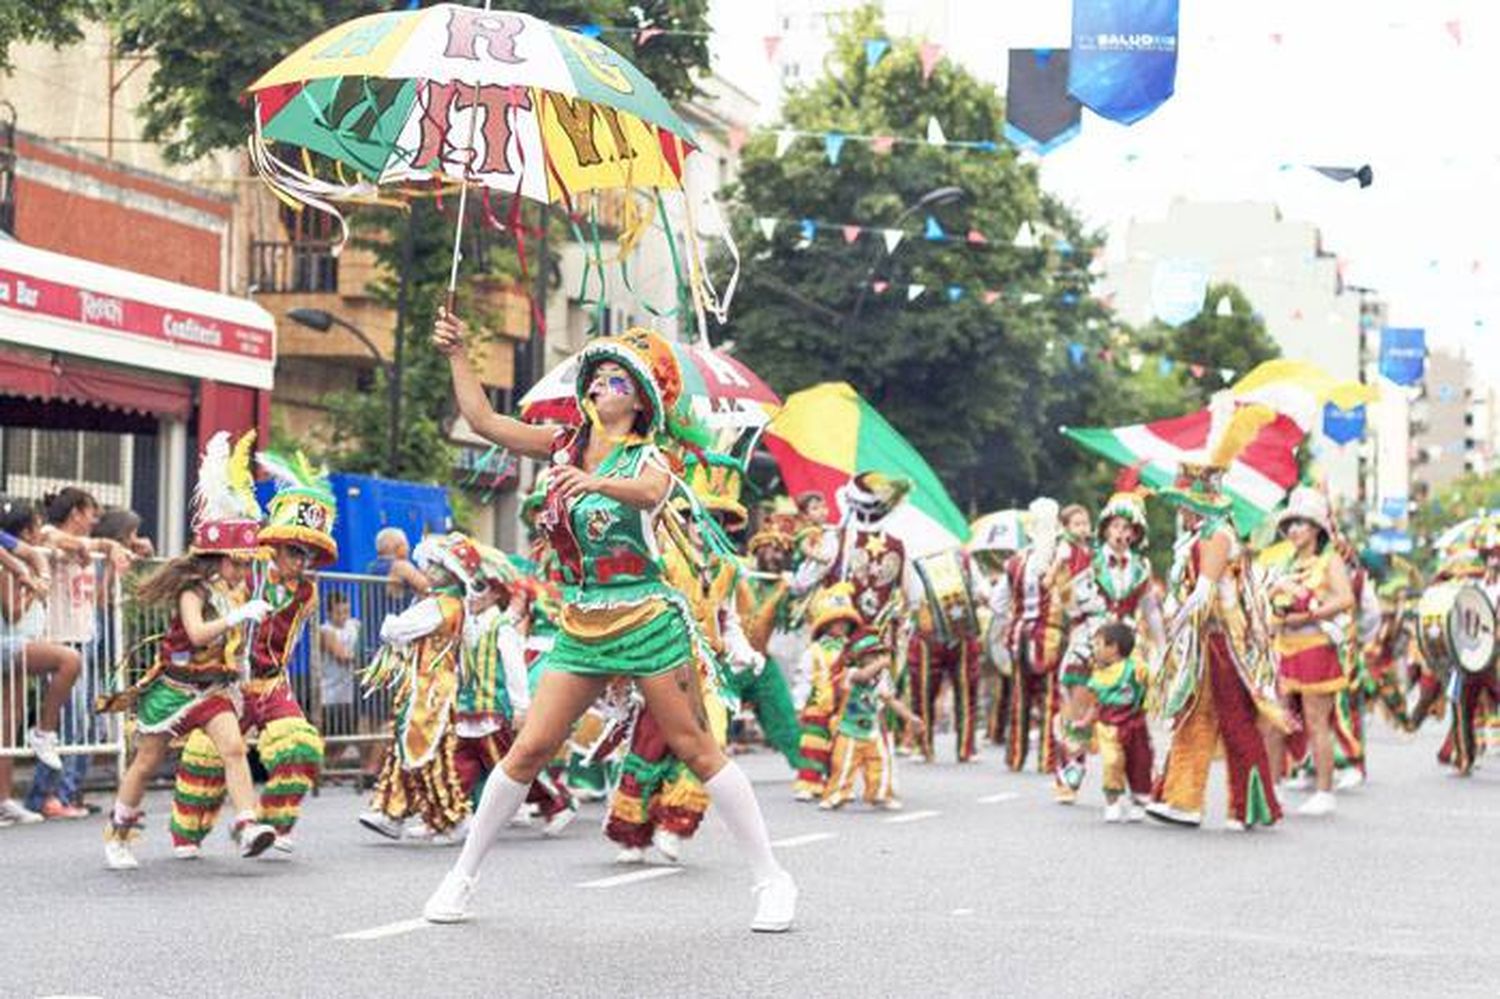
[
  {"x": 388, "y": 930},
  {"x": 791, "y": 841},
  {"x": 995, "y": 799},
  {"x": 649, "y": 874},
  {"x": 963, "y": 912},
  {"x": 896, "y": 820}
]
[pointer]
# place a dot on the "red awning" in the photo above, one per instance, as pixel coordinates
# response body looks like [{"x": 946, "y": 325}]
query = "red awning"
[{"x": 60, "y": 377}]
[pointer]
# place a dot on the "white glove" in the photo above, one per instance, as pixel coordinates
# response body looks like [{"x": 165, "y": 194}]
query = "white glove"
[{"x": 251, "y": 610}]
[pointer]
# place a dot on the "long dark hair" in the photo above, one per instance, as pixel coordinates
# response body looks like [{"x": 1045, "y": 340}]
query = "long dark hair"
[
  {"x": 17, "y": 516},
  {"x": 184, "y": 572}
]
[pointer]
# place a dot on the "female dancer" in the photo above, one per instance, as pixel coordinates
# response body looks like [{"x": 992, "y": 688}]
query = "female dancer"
[
  {"x": 1312, "y": 591},
  {"x": 606, "y": 483}
]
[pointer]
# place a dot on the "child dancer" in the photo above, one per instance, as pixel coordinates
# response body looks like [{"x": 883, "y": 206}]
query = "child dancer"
[
  {"x": 1119, "y": 682},
  {"x": 202, "y": 656},
  {"x": 300, "y": 518},
  {"x": 863, "y": 746},
  {"x": 819, "y": 685}
]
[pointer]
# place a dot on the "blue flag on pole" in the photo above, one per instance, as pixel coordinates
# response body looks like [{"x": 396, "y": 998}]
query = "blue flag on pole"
[
  {"x": 1403, "y": 354},
  {"x": 1124, "y": 58},
  {"x": 1343, "y": 425}
]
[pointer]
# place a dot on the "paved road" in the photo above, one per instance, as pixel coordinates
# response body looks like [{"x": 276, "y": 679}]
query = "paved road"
[{"x": 981, "y": 887}]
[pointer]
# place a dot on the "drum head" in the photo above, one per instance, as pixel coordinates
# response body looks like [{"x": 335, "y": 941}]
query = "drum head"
[{"x": 1471, "y": 629}]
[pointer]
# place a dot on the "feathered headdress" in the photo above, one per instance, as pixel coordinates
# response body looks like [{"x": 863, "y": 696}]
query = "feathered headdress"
[
  {"x": 226, "y": 517},
  {"x": 303, "y": 510}
]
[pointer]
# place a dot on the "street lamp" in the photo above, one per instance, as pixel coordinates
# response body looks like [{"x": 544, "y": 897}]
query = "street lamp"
[
  {"x": 321, "y": 320},
  {"x": 934, "y": 197}
]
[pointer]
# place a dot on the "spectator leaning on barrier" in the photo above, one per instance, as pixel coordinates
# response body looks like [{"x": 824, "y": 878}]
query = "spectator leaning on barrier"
[
  {"x": 23, "y": 653},
  {"x": 392, "y": 560},
  {"x": 72, "y": 620}
]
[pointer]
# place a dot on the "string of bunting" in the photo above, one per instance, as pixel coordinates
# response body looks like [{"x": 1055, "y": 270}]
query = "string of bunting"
[{"x": 1026, "y": 237}]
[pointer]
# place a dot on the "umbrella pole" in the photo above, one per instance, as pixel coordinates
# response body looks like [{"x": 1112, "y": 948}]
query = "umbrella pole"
[{"x": 463, "y": 197}]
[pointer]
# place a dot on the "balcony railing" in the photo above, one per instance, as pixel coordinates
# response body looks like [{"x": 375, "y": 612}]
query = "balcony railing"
[{"x": 293, "y": 267}]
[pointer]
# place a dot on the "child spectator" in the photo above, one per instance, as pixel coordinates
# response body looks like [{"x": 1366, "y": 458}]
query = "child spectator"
[{"x": 23, "y": 654}]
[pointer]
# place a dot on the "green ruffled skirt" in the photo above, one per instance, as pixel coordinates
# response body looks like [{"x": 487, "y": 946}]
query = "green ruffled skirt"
[{"x": 652, "y": 648}]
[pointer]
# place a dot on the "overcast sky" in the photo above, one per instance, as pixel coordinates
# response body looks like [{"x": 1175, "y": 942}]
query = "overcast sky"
[{"x": 1260, "y": 85}]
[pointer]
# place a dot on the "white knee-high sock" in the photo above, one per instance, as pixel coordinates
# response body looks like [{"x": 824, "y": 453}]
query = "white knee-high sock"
[
  {"x": 501, "y": 797},
  {"x": 734, "y": 801}
]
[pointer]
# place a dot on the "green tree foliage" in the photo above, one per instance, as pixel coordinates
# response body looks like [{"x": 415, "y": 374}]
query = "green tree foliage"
[
  {"x": 55, "y": 22},
  {"x": 1236, "y": 343},
  {"x": 973, "y": 385},
  {"x": 208, "y": 53},
  {"x": 1470, "y": 495}
]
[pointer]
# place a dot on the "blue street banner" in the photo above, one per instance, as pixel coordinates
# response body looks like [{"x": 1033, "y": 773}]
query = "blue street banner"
[
  {"x": 1403, "y": 354},
  {"x": 1390, "y": 542},
  {"x": 1394, "y": 507},
  {"x": 1124, "y": 60},
  {"x": 1040, "y": 114},
  {"x": 1343, "y": 425}
]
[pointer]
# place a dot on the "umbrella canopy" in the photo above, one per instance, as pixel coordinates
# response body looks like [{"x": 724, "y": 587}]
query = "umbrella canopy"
[
  {"x": 722, "y": 392},
  {"x": 1000, "y": 531},
  {"x": 826, "y": 434},
  {"x": 492, "y": 96}
]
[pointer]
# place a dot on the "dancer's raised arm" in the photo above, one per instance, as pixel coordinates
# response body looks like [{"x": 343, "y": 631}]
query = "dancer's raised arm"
[{"x": 448, "y": 336}]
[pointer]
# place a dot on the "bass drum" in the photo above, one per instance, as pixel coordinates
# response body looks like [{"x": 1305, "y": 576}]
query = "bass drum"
[
  {"x": 1456, "y": 628},
  {"x": 945, "y": 580}
]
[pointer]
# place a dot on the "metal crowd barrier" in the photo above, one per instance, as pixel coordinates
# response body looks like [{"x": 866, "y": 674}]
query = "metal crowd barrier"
[
  {"x": 117, "y": 639},
  {"x": 83, "y": 611}
]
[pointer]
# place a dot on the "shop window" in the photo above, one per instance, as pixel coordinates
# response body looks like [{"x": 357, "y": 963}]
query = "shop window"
[{"x": 39, "y": 461}]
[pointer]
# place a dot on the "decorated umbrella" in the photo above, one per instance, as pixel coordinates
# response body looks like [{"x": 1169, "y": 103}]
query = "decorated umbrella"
[
  {"x": 402, "y": 99},
  {"x": 1259, "y": 478},
  {"x": 722, "y": 392},
  {"x": 826, "y": 434}
]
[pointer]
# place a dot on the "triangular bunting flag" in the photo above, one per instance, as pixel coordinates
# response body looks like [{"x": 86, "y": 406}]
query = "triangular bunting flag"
[
  {"x": 1025, "y": 238},
  {"x": 590, "y": 30},
  {"x": 991, "y": 297},
  {"x": 784, "y": 139},
  {"x": 1455, "y": 30},
  {"x": 772, "y": 42},
  {"x": 1165, "y": 366},
  {"x": 955, "y": 292},
  {"x": 935, "y": 136},
  {"x": 833, "y": 145},
  {"x": 976, "y": 238},
  {"x": 930, "y": 53},
  {"x": 874, "y": 49},
  {"x": 1197, "y": 370},
  {"x": 767, "y": 227},
  {"x": 881, "y": 144},
  {"x": 879, "y": 287},
  {"x": 933, "y": 232},
  {"x": 809, "y": 230},
  {"x": 1225, "y": 308},
  {"x": 646, "y": 34},
  {"x": 1030, "y": 297},
  {"x": 914, "y": 291},
  {"x": 1227, "y": 374},
  {"x": 851, "y": 233},
  {"x": 892, "y": 239},
  {"x": 1076, "y": 353},
  {"x": 1137, "y": 361}
]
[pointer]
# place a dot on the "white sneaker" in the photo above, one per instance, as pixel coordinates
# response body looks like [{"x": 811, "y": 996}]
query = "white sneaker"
[
  {"x": 187, "y": 851},
  {"x": 631, "y": 855},
  {"x": 1299, "y": 782},
  {"x": 417, "y": 829},
  {"x": 669, "y": 844},
  {"x": 554, "y": 826},
  {"x": 378, "y": 822},
  {"x": 254, "y": 838},
  {"x": 450, "y": 903},
  {"x": 1235, "y": 825},
  {"x": 803, "y": 795},
  {"x": 1114, "y": 812},
  {"x": 44, "y": 745},
  {"x": 118, "y": 855},
  {"x": 1134, "y": 812},
  {"x": 775, "y": 904},
  {"x": 18, "y": 814},
  {"x": 1349, "y": 779},
  {"x": 284, "y": 844},
  {"x": 1321, "y": 803},
  {"x": 892, "y": 804}
]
